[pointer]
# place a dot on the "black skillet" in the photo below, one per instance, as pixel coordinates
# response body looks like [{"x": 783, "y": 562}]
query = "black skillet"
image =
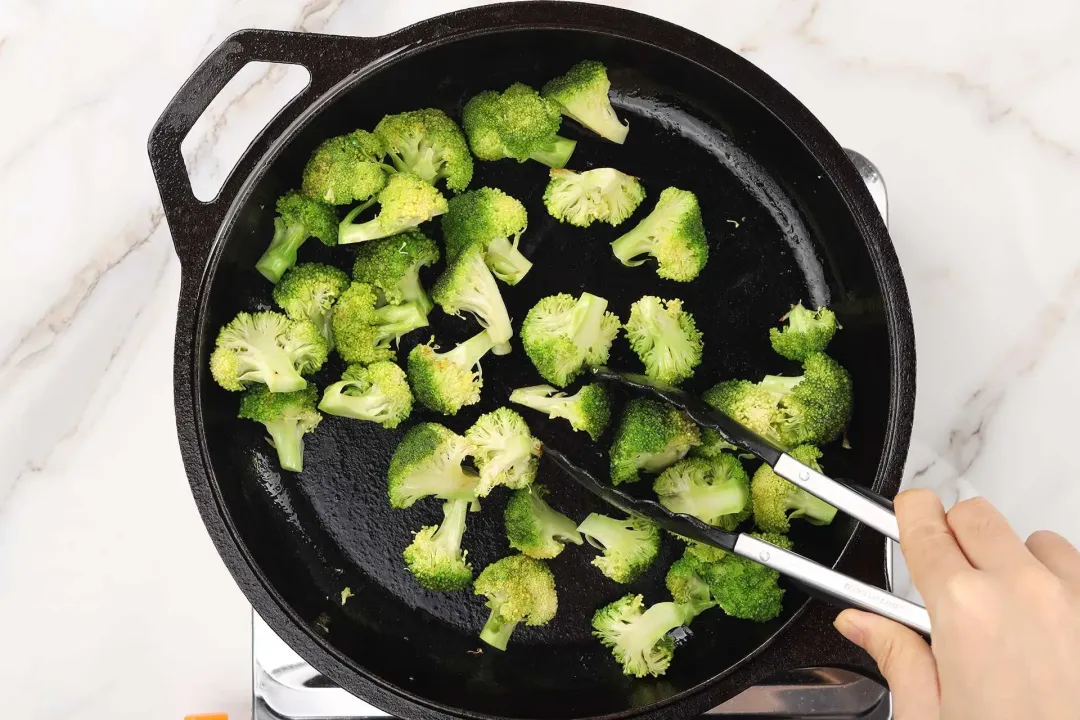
[{"x": 788, "y": 219}]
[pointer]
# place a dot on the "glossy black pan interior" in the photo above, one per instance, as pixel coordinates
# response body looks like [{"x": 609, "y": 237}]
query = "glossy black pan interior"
[{"x": 786, "y": 221}]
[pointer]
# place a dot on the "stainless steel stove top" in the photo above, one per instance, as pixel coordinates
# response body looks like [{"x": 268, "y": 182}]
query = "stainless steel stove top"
[{"x": 285, "y": 687}]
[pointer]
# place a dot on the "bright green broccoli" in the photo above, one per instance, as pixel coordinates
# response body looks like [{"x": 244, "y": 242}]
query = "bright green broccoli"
[
  {"x": 516, "y": 123},
  {"x": 405, "y": 202},
  {"x": 298, "y": 218},
  {"x": 345, "y": 169},
  {"x": 587, "y": 410},
  {"x": 714, "y": 491},
  {"x": 688, "y": 588},
  {"x": 308, "y": 292},
  {"x": 712, "y": 444},
  {"x": 288, "y": 416},
  {"x": 745, "y": 589},
  {"x": 518, "y": 589},
  {"x": 446, "y": 382},
  {"x": 807, "y": 332},
  {"x": 435, "y": 556},
  {"x": 493, "y": 221},
  {"x": 776, "y": 501},
  {"x": 672, "y": 233},
  {"x": 504, "y": 450},
  {"x": 630, "y": 545},
  {"x": 699, "y": 553},
  {"x": 813, "y": 408},
  {"x": 650, "y": 437},
  {"x": 638, "y": 637},
  {"x": 746, "y": 403},
  {"x": 563, "y": 335},
  {"x": 427, "y": 462},
  {"x": 364, "y": 331},
  {"x": 392, "y": 266},
  {"x": 666, "y": 339},
  {"x": 377, "y": 393},
  {"x": 267, "y": 348},
  {"x": 601, "y": 194},
  {"x": 428, "y": 144},
  {"x": 467, "y": 285},
  {"x": 534, "y": 528},
  {"x": 582, "y": 95}
]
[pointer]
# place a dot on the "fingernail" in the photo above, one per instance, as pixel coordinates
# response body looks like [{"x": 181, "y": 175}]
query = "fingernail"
[{"x": 847, "y": 627}]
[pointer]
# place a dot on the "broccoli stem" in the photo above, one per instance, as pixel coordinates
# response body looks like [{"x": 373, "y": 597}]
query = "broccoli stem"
[
  {"x": 587, "y": 319},
  {"x": 609, "y": 532},
  {"x": 556, "y": 153},
  {"x": 350, "y": 232},
  {"x": 813, "y": 509},
  {"x": 422, "y": 161},
  {"x": 448, "y": 536},
  {"x": 779, "y": 384},
  {"x": 497, "y": 630},
  {"x": 281, "y": 375},
  {"x": 639, "y": 241},
  {"x": 506, "y": 261},
  {"x": 655, "y": 623},
  {"x": 540, "y": 397},
  {"x": 281, "y": 255},
  {"x": 467, "y": 354},
  {"x": 396, "y": 320},
  {"x": 413, "y": 292},
  {"x": 287, "y": 438},
  {"x": 552, "y": 522},
  {"x": 371, "y": 405},
  {"x": 713, "y": 502}
]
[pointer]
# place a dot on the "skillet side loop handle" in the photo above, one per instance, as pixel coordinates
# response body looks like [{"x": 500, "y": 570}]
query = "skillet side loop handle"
[
  {"x": 834, "y": 587},
  {"x": 328, "y": 59}
]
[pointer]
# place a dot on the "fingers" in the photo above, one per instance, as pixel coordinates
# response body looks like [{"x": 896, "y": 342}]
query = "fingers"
[
  {"x": 985, "y": 536},
  {"x": 930, "y": 550},
  {"x": 903, "y": 658},
  {"x": 1058, "y": 555}
]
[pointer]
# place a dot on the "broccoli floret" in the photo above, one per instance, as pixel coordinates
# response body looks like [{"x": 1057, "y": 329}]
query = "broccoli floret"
[
  {"x": 516, "y": 123},
  {"x": 428, "y": 144},
  {"x": 267, "y": 348},
  {"x": 630, "y": 545},
  {"x": 650, "y": 437},
  {"x": 807, "y": 332},
  {"x": 467, "y": 285},
  {"x": 427, "y": 462},
  {"x": 666, "y": 339},
  {"x": 688, "y": 588},
  {"x": 504, "y": 450},
  {"x": 405, "y": 202},
  {"x": 435, "y": 556},
  {"x": 712, "y": 444},
  {"x": 603, "y": 194},
  {"x": 298, "y": 218},
  {"x": 582, "y": 95},
  {"x": 776, "y": 501},
  {"x": 493, "y": 221},
  {"x": 534, "y": 528},
  {"x": 446, "y": 382},
  {"x": 364, "y": 331},
  {"x": 563, "y": 335},
  {"x": 392, "y": 265},
  {"x": 587, "y": 410},
  {"x": 715, "y": 491},
  {"x": 747, "y": 404},
  {"x": 377, "y": 393},
  {"x": 518, "y": 589},
  {"x": 672, "y": 233},
  {"x": 745, "y": 589},
  {"x": 345, "y": 169},
  {"x": 639, "y": 638},
  {"x": 288, "y": 416},
  {"x": 812, "y": 408},
  {"x": 309, "y": 291}
]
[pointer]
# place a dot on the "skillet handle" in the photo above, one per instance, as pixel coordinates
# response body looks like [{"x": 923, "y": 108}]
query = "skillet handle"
[
  {"x": 833, "y": 587},
  {"x": 329, "y": 59}
]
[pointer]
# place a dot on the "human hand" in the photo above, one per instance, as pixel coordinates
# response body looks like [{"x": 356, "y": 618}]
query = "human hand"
[{"x": 1005, "y": 618}]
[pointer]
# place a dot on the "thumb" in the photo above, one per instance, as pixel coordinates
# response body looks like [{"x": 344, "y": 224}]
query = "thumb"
[{"x": 904, "y": 659}]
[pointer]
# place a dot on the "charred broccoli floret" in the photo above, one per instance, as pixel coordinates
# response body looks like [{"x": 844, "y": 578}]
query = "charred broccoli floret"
[
  {"x": 534, "y": 528},
  {"x": 563, "y": 335},
  {"x": 435, "y": 556},
  {"x": 392, "y": 266},
  {"x": 446, "y": 382},
  {"x": 364, "y": 330},
  {"x": 427, "y": 462},
  {"x": 587, "y": 410},
  {"x": 776, "y": 501},
  {"x": 504, "y": 450},
  {"x": 309, "y": 291},
  {"x": 672, "y": 233},
  {"x": 298, "y": 218},
  {"x": 267, "y": 348},
  {"x": 493, "y": 221},
  {"x": 516, "y": 123},
  {"x": 650, "y": 437},
  {"x": 601, "y": 194},
  {"x": 288, "y": 416},
  {"x": 582, "y": 95},
  {"x": 715, "y": 491},
  {"x": 377, "y": 393},
  {"x": 666, "y": 338},
  {"x": 519, "y": 589},
  {"x": 428, "y": 144},
  {"x": 629, "y": 546},
  {"x": 405, "y": 202},
  {"x": 345, "y": 169}
]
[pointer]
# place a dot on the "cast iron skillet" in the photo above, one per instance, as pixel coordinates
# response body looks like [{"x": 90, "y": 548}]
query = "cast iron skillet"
[{"x": 787, "y": 218}]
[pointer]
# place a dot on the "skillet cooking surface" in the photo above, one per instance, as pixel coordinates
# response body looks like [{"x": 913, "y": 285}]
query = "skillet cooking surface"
[{"x": 778, "y": 233}]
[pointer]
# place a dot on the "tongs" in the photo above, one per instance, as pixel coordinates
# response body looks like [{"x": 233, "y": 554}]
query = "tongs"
[{"x": 816, "y": 579}]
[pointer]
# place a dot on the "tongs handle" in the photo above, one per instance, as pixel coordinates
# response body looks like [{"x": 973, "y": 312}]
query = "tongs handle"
[
  {"x": 834, "y": 587},
  {"x": 857, "y": 505}
]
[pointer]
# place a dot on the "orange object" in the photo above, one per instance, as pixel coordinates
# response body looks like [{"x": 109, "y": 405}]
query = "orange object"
[{"x": 211, "y": 716}]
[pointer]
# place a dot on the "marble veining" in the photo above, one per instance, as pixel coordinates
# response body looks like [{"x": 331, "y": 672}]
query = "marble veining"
[{"x": 968, "y": 108}]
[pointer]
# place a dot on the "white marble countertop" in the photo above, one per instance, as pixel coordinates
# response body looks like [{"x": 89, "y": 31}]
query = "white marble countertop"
[{"x": 114, "y": 603}]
